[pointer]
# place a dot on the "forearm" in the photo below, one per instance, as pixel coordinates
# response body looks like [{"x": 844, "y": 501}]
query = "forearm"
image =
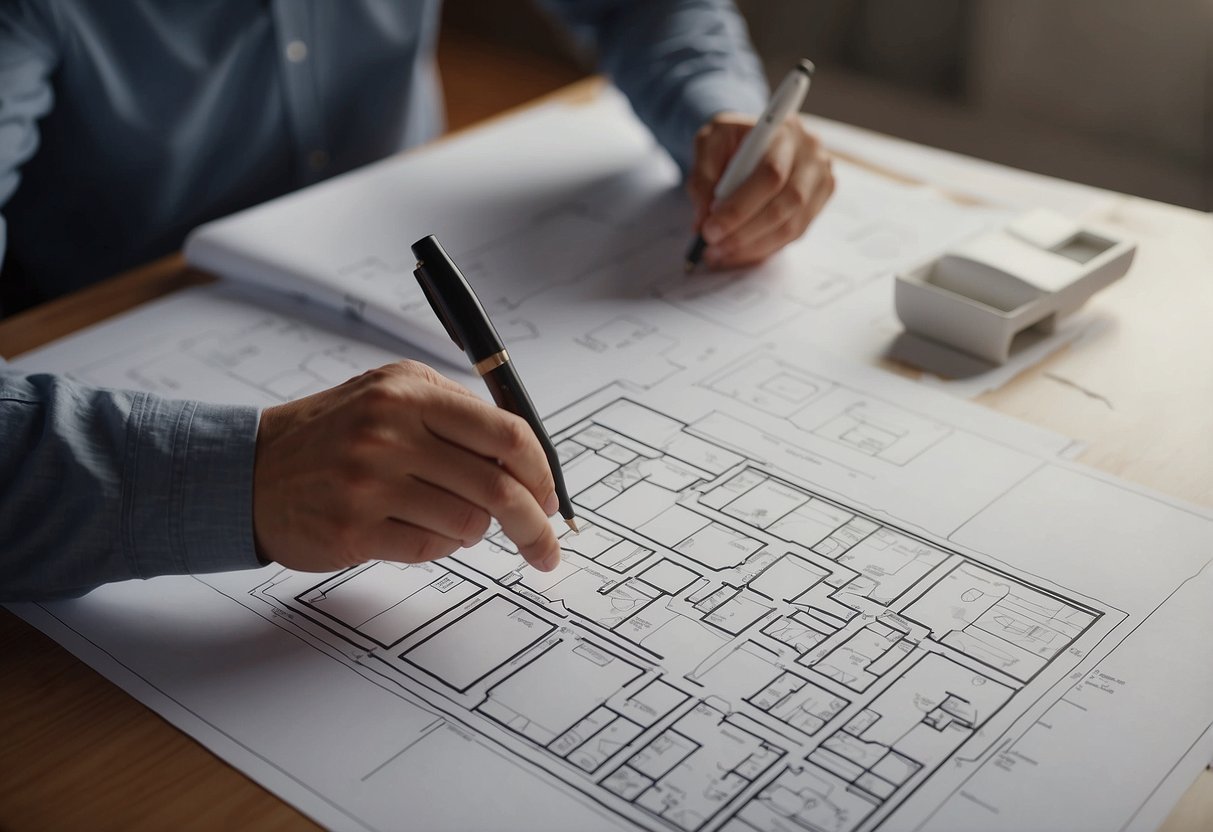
[
  {"x": 679, "y": 61},
  {"x": 99, "y": 486}
]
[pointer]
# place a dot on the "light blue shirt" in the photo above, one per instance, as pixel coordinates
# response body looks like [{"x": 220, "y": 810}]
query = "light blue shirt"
[{"x": 125, "y": 124}]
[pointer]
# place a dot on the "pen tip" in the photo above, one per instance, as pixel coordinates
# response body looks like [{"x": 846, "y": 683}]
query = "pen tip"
[
  {"x": 688, "y": 267},
  {"x": 572, "y": 524}
]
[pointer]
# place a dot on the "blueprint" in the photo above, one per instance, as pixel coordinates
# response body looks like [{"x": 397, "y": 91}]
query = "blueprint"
[
  {"x": 553, "y": 236},
  {"x": 806, "y": 597}
]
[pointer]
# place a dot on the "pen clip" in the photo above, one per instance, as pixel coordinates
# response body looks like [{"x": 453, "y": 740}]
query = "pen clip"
[{"x": 423, "y": 280}]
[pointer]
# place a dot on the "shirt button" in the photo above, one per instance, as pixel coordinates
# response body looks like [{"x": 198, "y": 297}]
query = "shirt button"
[
  {"x": 296, "y": 51},
  {"x": 318, "y": 159}
]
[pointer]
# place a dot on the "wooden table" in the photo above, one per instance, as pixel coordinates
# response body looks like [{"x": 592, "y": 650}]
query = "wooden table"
[{"x": 78, "y": 752}]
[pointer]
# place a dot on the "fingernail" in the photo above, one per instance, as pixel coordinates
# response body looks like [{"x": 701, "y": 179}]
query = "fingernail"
[
  {"x": 551, "y": 504},
  {"x": 468, "y": 544},
  {"x": 552, "y": 561},
  {"x": 712, "y": 232}
]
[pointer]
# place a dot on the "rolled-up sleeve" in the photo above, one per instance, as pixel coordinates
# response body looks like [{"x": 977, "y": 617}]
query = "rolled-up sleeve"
[
  {"x": 679, "y": 62},
  {"x": 99, "y": 486}
]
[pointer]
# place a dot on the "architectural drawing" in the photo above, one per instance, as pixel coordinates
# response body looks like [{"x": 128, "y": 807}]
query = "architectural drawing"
[
  {"x": 735, "y": 650},
  {"x": 632, "y": 339},
  {"x": 811, "y": 404},
  {"x": 769, "y": 384},
  {"x": 760, "y": 627},
  {"x": 807, "y": 596},
  {"x": 624, "y": 236},
  {"x": 269, "y": 358},
  {"x": 384, "y": 278},
  {"x": 517, "y": 265},
  {"x": 882, "y": 431},
  {"x": 848, "y": 249}
]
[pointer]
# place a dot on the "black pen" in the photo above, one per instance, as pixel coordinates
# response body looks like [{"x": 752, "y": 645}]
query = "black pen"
[{"x": 465, "y": 320}]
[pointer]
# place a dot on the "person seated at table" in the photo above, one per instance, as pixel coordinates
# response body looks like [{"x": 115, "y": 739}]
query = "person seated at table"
[{"x": 124, "y": 125}]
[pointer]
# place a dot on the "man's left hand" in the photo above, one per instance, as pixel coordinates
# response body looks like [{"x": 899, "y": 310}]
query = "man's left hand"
[{"x": 786, "y": 191}]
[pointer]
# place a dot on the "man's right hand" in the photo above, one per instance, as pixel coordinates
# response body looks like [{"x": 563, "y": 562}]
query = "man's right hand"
[{"x": 397, "y": 464}]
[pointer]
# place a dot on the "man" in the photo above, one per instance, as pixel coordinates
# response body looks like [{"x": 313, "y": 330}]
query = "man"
[{"x": 125, "y": 124}]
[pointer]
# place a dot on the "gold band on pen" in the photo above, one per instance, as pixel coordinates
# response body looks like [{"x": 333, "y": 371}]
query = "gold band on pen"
[{"x": 486, "y": 365}]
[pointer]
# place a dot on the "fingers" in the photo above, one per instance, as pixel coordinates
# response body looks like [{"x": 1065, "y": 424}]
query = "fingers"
[
  {"x": 753, "y": 195},
  {"x": 822, "y": 192},
  {"x": 451, "y": 412},
  {"x": 406, "y": 543},
  {"x": 494, "y": 433},
  {"x": 417, "y": 502},
  {"x": 714, "y": 144},
  {"x": 788, "y": 208},
  {"x": 784, "y": 220},
  {"x": 452, "y": 443},
  {"x": 494, "y": 489},
  {"x": 762, "y": 247},
  {"x": 774, "y": 206},
  {"x": 400, "y": 464}
]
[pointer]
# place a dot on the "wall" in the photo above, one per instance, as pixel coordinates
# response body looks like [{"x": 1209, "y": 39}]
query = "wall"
[{"x": 1115, "y": 93}]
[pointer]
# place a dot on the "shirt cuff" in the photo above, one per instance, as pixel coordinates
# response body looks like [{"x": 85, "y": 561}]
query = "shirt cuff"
[{"x": 188, "y": 497}]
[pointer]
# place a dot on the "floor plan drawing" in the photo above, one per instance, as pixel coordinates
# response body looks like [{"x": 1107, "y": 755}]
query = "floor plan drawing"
[
  {"x": 773, "y": 386},
  {"x": 811, "y": 404},
  {"x": 883, "y": 432},
  {"x": 633, "y": 338},
  {"x": 268, "y": 356},
  {"x": 808, "y": 595},
  {"x": 735, "y": 650},
  {"x": 847, "y": 250},
  {"x": 521, "y": 263},
  {"x": 805, "y": 597}
]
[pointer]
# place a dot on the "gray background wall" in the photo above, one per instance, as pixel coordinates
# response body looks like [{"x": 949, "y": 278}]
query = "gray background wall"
[{"x": 1115, "y": 93}]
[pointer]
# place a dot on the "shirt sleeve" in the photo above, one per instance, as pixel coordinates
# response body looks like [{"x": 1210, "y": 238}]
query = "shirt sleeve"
[
  {"x": 679, "y": 62},
  {"x": 99, "y": 486},
  {"x": 28, "y": 56}
]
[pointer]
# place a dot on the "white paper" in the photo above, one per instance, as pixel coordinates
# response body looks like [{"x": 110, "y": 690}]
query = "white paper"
[
  {"x": 223, "y": 343},
  {"x": 977, "y": 179},
  {"x": 807, "y": 596},
  {"x": 569, "y": 215}
]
